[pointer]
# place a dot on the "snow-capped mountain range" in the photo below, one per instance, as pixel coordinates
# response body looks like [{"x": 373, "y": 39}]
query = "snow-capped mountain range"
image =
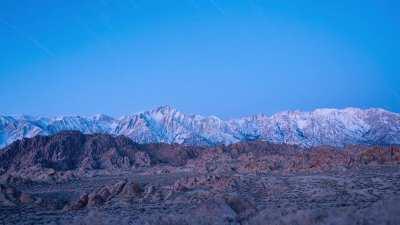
[{"x": 336, "y": 127}]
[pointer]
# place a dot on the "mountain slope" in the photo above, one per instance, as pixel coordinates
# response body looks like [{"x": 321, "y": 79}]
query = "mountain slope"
[
  {"x": 72, "y": 153},
  {"x": 165, "y": 124},
  {"x": 75, "y": 151}
]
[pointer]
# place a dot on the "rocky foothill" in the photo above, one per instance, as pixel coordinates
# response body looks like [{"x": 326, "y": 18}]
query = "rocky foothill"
[{"x": 74, "y": 178}]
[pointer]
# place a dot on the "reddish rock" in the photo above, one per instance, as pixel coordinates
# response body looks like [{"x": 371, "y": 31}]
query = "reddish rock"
[
  {"x": 25, "y": 198},
  {"x": 69, "y": 154},
  {"x": 10, "y": 196},
  {"x": 80, "y": 204},
  {"x": 131, "y": 189}
]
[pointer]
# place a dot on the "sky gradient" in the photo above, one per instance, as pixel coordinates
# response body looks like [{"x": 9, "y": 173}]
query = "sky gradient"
[{"x": 211, "y": 57}]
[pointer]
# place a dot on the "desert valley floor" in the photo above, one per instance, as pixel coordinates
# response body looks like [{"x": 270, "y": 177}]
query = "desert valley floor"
[{"x": 368, "y": 195}]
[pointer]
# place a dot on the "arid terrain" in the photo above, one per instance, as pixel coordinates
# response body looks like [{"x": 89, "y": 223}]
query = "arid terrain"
[{"x": 72, "y": 178}]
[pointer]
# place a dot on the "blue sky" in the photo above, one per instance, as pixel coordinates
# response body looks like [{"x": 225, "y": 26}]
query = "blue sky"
[{"x": 226, "y": 58}]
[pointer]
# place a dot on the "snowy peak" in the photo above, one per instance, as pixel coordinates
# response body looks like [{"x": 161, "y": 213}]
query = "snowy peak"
[{"x": 336, "y": 127}]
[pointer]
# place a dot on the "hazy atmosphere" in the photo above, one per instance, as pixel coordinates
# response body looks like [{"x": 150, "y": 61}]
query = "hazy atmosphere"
[{"x": 210, "y": 57}]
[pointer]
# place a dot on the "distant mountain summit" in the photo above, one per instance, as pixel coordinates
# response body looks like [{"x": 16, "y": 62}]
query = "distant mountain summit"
[{"x": 335, "y": 127}]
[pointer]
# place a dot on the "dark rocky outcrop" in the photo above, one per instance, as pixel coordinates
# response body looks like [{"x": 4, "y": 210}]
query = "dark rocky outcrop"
[
  {"x": 73, "y": 150},
  {"x": 53, "y": 156},
  {"x": 122, "y": 189},
  {"x": 172, "y": 154},
  {"x": 72, "y": 154},
  {"x": 267, "y": 157}
]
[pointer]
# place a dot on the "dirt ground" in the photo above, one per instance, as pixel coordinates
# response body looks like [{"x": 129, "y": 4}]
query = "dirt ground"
[{"x": 365, "y": 195}]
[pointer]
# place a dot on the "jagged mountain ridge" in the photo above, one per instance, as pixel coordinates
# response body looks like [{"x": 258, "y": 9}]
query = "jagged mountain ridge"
[{"x": 336, "y": 127}]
